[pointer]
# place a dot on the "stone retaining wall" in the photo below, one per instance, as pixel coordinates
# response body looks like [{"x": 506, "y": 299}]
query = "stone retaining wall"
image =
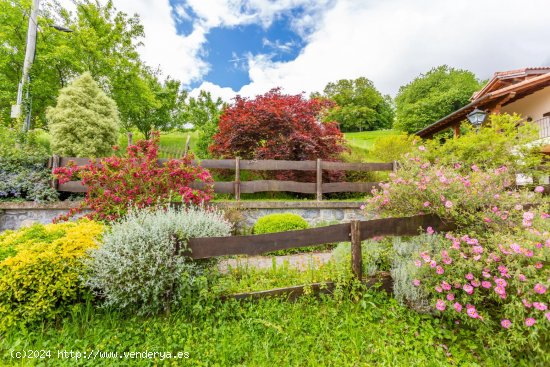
[{"x": 244, "y": 213}]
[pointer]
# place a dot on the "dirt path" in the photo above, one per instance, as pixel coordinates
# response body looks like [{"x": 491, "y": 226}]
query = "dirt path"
[{"x": 299, "y": 261}]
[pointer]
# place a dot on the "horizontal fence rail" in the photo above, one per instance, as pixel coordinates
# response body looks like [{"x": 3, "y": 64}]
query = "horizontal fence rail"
[
  {"x": 354, "y": 232},
  {"x": 237, "y": 186}
]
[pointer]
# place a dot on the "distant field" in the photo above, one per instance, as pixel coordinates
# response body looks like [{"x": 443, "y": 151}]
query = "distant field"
[
  {"x": 360, "y": 142},
  {"x": 365, "y": 139}
]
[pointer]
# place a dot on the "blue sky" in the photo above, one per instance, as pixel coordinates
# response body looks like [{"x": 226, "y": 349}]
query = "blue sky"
[
  {"x": 227, "y": 48},
  {"x": 248, "y": 47}
]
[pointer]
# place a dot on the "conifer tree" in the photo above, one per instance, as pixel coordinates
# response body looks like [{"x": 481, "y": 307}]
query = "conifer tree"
[{"x": 85, "y": 121}]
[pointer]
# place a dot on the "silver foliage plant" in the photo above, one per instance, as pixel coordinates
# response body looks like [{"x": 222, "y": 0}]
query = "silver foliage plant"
[
  {"x": 404, "y": 271},
  {"x": 136, "y": 267}
]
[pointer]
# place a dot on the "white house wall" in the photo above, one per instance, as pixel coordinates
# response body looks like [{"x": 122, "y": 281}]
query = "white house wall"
[{"x": 533, "y": 105}]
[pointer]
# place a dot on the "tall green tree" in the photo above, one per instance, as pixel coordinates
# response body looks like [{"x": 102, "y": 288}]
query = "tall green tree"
[
  {"x": 85, "y": 121},
  {"x": 147, "y": 103},
  {"x": 433, "y": 95},
  {"x": 203, "y": 112},
  {"x": 359, "y": 105},
  {"x": 104, "y": 42}
]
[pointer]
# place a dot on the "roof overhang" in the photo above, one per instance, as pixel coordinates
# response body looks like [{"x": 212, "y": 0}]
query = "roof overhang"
[{"x": 489, "y": 101}]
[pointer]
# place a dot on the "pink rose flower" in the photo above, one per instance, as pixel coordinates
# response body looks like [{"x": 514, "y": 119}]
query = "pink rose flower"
[
  {"x": 450, "y": 297},
  {"x": 448, "y": 204},
  {"x": 469, "y": 276},
  {"x": 468, "y": 289},
  {"x": 539, "y": 189},
  {"x": 427, "y": 204},
  {"x": 430, "y": 230},
  {"x": 522, "y": 277},
  {"x": 416, "y": 282},
  {"x": 438, "y": 289},
  {"x": 530, "y": 321},
  {"x": 541, "y": 306},
  {"x": 446, "y": 286},
  {"x": 539, "y": 288},
  {"x": 472, "y": 312},
  {"x": 440, "y": 305},
  {"x": 526, "y": 303},
  {"x": 439, "y": 270},
  {"x": 486, "y": 284},
  {"x": 506, "y": 323},
  {"x": 457, "y": 306}
]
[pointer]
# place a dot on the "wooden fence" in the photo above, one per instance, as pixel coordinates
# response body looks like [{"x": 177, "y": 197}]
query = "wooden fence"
[
  {"x": 354, "y": 232},
  {"x": 237, "y": 186}
]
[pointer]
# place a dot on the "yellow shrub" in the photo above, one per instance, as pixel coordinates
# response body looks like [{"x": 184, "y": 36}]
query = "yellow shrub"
[{"x": 40, "y": 268}]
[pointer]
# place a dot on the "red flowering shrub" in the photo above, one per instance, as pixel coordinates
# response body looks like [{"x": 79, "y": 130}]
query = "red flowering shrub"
[
  {"x": 115, "y": 183},
  {"x": 278, "y": 126}
]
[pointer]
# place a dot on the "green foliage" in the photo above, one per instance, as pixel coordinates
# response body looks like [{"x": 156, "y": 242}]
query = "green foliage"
[
  {"x": 501, "y": 141},
  {"x": 139, "y": 267},
  {"x": 377, "y": 255},
  {"x": 147, "y": 104},
  {"x": 23, "y": 171},
  {"x": 85, "y": 122},
  {"x": 432, "y": 96},
  {"x": 360, "y": 106},
  {"x": 368, "y": 331},
  {"x": 103, "y": 42},
  {"x": 404, "y": 270},
  {"x": 392, "y": 148},
  {"x": 40, "y": 268},
  {"x": 243, "y": 277},
  {"x": 279, "y": 222}
]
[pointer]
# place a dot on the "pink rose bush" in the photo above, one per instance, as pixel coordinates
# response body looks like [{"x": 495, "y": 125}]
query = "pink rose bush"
[
  {"x": 497, "y": 258},
  {"x": 116, "y": 183}
]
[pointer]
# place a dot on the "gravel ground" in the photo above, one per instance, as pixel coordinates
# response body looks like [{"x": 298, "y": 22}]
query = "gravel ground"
[{"x": 299, "y": 261}]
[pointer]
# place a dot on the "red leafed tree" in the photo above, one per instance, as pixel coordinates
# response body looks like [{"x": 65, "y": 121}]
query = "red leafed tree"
[{"x": 278, "y": 126}]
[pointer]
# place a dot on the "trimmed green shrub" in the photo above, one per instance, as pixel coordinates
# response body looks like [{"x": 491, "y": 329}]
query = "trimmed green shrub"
[
  {"x": 139, "y": 267},
  {"x": 23, "y": 171},
  {"x": 85, "y": 121},
  {"x": 279, "y": 222},
  {"x": 40, "y": 268}
]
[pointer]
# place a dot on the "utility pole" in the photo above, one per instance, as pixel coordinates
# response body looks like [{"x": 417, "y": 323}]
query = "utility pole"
[{"x": 29, "y": 58}]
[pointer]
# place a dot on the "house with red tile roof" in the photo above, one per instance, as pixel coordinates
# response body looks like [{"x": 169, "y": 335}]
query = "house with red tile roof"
[{"x": 523, "y": 91}]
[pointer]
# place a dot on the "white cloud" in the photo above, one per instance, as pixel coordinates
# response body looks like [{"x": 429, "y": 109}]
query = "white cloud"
[
  {"x": 176, "y": 55},
  {"x": 391, "y": 42},
  {"x": 225, "y": 93}
]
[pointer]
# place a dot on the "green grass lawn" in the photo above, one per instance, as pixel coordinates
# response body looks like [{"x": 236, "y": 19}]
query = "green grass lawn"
[
  {"x": 365, "y": 329},
  {"x": 362, "y": 142}
]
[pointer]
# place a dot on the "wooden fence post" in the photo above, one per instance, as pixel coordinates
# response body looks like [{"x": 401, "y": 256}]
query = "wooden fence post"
[
  {"x": 187, "y": 145},
  {"x": 319, "y": 186},
  {"x": 356, "y": 256},
  {"x": 395, "y": 166},
  {"x": 129, "y": 138},
  {"x": 237, "y": 178},
  {"x": 55, "y": 164}
]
